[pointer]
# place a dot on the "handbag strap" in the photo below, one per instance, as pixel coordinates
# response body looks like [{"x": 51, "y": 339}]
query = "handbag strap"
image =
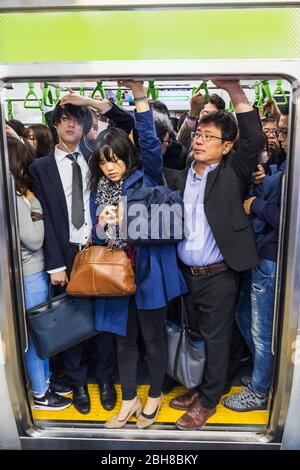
[
  {"x": 183, "y": 329},
  {"x": 184, "y": 321},
  {"x": 50, "y": 295}
]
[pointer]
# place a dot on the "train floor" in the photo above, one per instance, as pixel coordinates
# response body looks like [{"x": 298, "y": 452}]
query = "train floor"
[{"x": 167, "y": 416}]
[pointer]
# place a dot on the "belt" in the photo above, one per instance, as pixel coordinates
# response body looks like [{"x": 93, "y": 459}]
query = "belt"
[{"x": 204, "y": 271}]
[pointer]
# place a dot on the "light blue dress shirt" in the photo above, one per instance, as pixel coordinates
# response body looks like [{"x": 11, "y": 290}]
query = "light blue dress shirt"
[{"x": 200, "y": 247}]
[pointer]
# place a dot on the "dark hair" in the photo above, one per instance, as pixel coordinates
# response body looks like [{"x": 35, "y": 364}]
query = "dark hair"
[
  {"x": 181, "y": 120},
  {"x": 163, "y": 124},
  {"x": 112, "y": 141},
  {"x": 174, "y": 121},
  {"x": 160, "y": 107},
  {"x": 82, "y": 114},
  {"x": 284, "y": 110},
  {"x": 17, "y": 126},
  {"x": 217, "y": 101},
  {"x": 268, "y": 120},
  {"x": 19, "y": 161},
  {"x": 43, "y": 137},
  {"x": 223, "y": 121}
]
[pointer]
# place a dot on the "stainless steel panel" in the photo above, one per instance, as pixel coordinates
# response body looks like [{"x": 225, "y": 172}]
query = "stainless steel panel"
[
  {"x": 148, "y": 69},
  {"x": 25, "y": 5}
]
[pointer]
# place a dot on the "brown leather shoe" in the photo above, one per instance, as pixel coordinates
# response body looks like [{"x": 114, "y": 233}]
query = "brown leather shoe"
[
  {"x": 195, "y": 417},
  {"x": 184, "y": 402}
]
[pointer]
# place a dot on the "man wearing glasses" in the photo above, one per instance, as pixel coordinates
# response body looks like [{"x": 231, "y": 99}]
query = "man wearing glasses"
[{"x": 220, "y": 241}]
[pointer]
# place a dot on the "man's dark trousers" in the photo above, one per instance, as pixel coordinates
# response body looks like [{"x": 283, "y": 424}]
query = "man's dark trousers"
[
  {"x": 210, "y": 307},
  {"x": 75, "y": 358}
]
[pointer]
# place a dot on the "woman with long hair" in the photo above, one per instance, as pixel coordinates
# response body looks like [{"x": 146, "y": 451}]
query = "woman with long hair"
[
  {"x": 116, "y": 168},
  {"x": 35, "y": 279},
  {"x": 40, "y": 139}
]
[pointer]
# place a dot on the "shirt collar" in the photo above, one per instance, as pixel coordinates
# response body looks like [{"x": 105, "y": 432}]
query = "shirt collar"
[
  {"x": 61, "y": 154},
  {"x": 209, "y": 168}
]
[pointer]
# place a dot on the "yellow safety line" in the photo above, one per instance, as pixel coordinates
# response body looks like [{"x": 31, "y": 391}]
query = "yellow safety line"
[{"x": 166, "y": 414}]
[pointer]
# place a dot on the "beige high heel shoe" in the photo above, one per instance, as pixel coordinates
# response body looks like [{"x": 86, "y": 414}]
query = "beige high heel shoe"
[
  {"x": 115, "y": 423},
  {"x": 144, "y": 421}
]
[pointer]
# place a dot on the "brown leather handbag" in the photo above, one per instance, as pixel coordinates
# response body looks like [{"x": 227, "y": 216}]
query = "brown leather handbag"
[{"x": 102, "y": 271}]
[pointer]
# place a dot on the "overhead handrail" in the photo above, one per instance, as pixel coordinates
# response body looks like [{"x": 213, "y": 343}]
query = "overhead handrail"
[
  {"x": 231, "y": 107},
  {"x": 47, "y": 96},
  {"x": 202, "y": 86},
  {"x": 258, "y": 99},
  {"x": 280, "y": 91},
  {"x": 57, "y": 94},
  {"x": 31, "y": 94},
  {"x": 81, "y": 91},
  {"x": 10, "y": 114},
  {"x": 152, "y": 90},
  {"x": 266, "y": 90},
  {"x": 100, "y": 89}
]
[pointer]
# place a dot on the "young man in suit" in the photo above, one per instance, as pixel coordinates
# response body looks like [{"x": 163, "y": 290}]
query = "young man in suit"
[
  {"x": 60, "y": 183},
  {"x": 220, "y": 243}
]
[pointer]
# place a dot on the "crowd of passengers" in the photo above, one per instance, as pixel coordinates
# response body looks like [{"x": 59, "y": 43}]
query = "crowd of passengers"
[{"x": 228, "y": 168}]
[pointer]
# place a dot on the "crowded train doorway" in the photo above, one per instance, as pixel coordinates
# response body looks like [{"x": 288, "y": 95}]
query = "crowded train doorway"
[{"x": 28, "y": 102}]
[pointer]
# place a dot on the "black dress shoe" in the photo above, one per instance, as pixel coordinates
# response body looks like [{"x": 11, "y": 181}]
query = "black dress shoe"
[
  {"x": 81, "y": 400},
  {"x": 227, "y": 389},
  {"x": 108, "y": 395}
]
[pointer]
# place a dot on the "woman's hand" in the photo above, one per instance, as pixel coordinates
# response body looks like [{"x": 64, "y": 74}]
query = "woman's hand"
[
  {"x": 258, "y": 176},
  {"x": 111, "y": 215},
  {"x": 139, "y": 94},
  {"x": 108, "y": 216},
  {"x": 135, "y": 86},
  {"x": 29, "y": 195}
]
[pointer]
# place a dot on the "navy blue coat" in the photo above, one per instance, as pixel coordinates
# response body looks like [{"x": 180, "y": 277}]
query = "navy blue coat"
[{"x": 158, "y": 277}]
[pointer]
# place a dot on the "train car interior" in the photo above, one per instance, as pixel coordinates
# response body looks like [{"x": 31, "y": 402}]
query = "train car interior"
[{"x": 27, "y": 98}]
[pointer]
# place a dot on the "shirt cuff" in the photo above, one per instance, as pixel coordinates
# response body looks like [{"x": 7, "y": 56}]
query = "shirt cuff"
[{"x": 57, "y": 270}]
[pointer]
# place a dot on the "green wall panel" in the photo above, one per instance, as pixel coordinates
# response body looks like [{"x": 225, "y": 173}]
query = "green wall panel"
[{"x": 162, "y": 34}]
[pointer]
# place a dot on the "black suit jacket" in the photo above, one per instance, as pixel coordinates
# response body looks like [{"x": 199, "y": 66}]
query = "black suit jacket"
[
  {"x": 226, "y": 189},
  {"x": 47, "y": 186}
]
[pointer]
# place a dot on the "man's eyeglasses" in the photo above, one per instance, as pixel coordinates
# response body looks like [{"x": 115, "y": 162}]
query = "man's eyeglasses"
[
  {"x": 270, "y": 131},
  {"x": 283, "y": 131},
  {"x": 204, "y": 137}
]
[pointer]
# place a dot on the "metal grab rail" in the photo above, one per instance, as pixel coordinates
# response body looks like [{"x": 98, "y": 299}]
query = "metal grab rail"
[
  {"x": 280, "y": 91},
  {"x": 47, "y": 96},
  {"x": 31, "y": 94},
  {"x": 152, "y": 90},
  {"x": 10, "y": 114},
  {"x": 202, "y": 86},
  {"x": 100, "y": 89},
  {"x": 18, "y": 264}
]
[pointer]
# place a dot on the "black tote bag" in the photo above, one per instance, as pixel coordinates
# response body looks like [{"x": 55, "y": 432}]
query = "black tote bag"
[
  {"x": 60, "y": 323},
  {"x": 186, "y": 352}
]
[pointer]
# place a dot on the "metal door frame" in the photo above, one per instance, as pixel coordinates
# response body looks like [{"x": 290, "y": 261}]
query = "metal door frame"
[{"x": 105, "y": 70}]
